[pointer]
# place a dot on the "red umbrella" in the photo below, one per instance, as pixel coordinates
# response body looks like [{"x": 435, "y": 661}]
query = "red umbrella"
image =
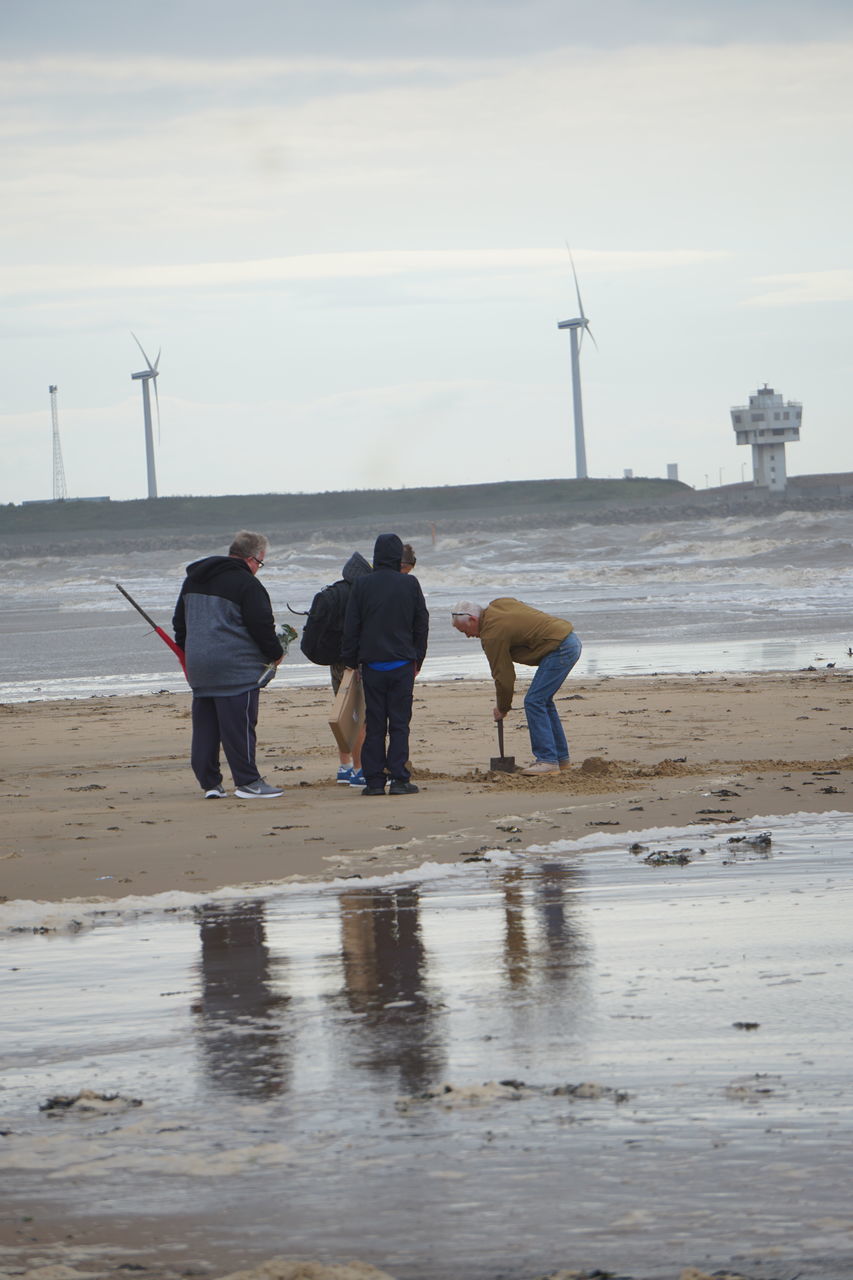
[{"x": 167, "y": 639}]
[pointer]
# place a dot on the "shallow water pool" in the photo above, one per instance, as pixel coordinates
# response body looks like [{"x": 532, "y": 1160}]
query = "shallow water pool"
[{"x": 565, "y": 1058}]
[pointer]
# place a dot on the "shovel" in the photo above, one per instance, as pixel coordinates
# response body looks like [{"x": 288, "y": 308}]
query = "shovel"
[{"x": 502, "y": 763}]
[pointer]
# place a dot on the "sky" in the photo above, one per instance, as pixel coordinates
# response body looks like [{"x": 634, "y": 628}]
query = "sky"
[{"x": 344, "y": 223}]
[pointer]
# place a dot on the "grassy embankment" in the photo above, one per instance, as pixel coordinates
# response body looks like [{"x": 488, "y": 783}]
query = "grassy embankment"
[{"x": 49, "y": 526}]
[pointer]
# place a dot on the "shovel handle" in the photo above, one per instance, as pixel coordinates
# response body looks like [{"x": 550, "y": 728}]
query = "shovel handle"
[{"x": 501, "y": 738}]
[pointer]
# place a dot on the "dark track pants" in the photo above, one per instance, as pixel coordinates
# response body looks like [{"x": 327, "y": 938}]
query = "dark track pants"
[
  {"x": 231, "y": 722},
  {"x": 388, "y": 711}
]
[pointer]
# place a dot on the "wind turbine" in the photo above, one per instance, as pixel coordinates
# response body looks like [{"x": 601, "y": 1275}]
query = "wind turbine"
[
  {"x": 576, "y": 329},
  {"x": 145, "y": 376}
]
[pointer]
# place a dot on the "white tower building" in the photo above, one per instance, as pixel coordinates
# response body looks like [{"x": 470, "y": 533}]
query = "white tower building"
[{"x": 767, "y": 423}]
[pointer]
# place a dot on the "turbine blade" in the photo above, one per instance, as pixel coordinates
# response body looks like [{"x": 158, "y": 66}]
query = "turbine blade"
[
  {"x": 577, "y": 286},
  {"x": 591, "y": 336},
  {"x": 157, "y": 361},
  {"x": 152, "y": 367}
]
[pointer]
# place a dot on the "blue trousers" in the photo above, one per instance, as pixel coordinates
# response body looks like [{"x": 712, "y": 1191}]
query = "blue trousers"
[
  {"x": 387, "y": 714},
  {"x": 547, "y": 739},
  {"x": 230, "y": 722}
]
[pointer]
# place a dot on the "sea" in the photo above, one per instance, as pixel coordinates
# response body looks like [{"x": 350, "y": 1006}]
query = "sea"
[
  {"x": 752, "y": 593},
  {"x": 625, "y": 1054}
]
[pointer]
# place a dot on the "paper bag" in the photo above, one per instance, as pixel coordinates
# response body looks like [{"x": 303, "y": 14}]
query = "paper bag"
[{"x": 348, "y": 712}]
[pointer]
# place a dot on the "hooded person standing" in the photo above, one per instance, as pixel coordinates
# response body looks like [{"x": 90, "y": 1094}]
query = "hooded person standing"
[
  {"x": 224, "y": 621},
  {"x": 385, "y": 634}
]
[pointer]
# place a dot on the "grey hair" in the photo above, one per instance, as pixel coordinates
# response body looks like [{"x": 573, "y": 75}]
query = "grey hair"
[
  {"x": 466, "y": 609},
  {"x": 245, "y": 545}
]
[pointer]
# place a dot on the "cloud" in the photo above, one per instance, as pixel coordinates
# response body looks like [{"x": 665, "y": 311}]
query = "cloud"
[
  {"x": 801, "y": 288},
  {"x": 336, "y": 266},
  {"x": 183, "y": 150}
]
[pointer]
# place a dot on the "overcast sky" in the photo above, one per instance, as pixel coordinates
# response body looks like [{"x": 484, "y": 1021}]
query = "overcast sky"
[{"x": 344, "y": 222}]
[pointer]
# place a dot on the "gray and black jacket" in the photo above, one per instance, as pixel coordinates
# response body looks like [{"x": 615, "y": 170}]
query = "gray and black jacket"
[{"x": 224, "y": 622}]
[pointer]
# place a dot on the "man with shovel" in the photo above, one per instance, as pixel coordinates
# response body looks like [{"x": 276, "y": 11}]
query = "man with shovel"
[{"x": 509, "y": 632}]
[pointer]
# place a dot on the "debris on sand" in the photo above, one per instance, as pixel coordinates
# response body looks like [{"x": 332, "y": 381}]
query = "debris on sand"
[
  {"x": 675, "y": 858},
  {"x": 473, "y": 1095},
  {"x": 449, "y": 1095},
  {"x": 589, "y": 1089},
  {"x": 752, "y": 1089},
  {"x": 689, "y": 1273},
  {"x": 692, "y": 1273},
  {"x": 761, "y": 841},
  {"x": 299, "y": 1269},
  {"x": 88, "y": 1102}
]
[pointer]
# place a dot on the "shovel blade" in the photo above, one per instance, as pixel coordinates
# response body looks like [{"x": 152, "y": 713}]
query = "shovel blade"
[{"x": 502, "y": 764}]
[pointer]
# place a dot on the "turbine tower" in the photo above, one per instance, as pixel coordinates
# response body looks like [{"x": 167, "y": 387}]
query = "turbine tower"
[
  {"x": 576, "y": 329},
  {"x": 60, "y": 493},
  {"x": 145, "y": 376}
]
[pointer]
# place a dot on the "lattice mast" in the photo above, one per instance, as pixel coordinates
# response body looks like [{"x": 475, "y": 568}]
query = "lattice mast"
[{"x": 60, "y": 493}]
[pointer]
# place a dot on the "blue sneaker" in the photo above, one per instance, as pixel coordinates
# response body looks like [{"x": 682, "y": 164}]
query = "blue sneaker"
[
  {"x": 357, "y": 779},
  {"x": 345, "y": 773}
]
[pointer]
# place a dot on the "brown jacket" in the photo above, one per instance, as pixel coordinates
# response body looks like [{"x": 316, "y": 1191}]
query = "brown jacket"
[{"x": 514, "y": 632}]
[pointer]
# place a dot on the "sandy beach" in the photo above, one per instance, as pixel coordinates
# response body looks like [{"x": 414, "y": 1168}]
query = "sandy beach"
[
  {"x": 101, "y": 803},
  {"x": 255, "y": 1052}
]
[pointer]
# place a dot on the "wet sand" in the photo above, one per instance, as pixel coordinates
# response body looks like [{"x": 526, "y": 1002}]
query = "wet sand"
[
  {"x": 100, "y": 801},
  {"x": 709, "y": 1001},
  {"x": 560, "y": 1064}
]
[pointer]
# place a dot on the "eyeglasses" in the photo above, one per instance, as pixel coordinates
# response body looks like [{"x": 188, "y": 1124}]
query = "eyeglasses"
[{"x": 258, "y": 562}]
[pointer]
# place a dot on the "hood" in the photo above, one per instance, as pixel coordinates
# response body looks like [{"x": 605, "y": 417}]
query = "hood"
[
  {"x": 212, "y": 566},
  {"x": 388, "y": 552},
  {"x": 355, "y": 567}
]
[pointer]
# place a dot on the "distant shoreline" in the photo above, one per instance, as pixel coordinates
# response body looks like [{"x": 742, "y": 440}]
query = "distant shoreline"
[{"x": 80, "y": 527}]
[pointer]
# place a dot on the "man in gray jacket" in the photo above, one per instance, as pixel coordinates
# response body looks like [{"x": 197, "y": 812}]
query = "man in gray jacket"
[{"x": 224, "y": 622}]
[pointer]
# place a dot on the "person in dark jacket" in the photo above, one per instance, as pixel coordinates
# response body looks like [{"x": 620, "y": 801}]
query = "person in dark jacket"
[
  {"x": 224, "y": 622},
  {"x": 385, "y": 632}
]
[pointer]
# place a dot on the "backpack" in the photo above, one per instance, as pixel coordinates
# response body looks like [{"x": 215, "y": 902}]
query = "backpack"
[{"x": 323, "y": 633}]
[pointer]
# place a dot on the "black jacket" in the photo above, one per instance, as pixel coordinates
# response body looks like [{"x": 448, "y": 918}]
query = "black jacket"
[
  {"x": 224, "y": 622},
  {"x": 386, "y": 618}
]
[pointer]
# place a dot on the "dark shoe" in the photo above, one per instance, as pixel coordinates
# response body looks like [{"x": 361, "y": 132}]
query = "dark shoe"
[
  {"x": 373, "y": 791},
  {"x": 398, "y": 788}
]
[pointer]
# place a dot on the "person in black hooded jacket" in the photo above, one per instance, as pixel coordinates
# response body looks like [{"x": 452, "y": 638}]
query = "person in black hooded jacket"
[
  {"x": 385, "y": 633},
  {"x": 224, "y": 622}
]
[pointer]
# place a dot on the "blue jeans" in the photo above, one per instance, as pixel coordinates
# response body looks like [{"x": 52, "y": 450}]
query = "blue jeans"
[{"x": 547, "y": 739}]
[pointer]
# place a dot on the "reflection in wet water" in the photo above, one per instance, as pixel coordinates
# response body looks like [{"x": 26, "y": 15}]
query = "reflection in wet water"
[
  {"x": 384, "y": 970},
  {"x": 290, "y": 1053},
  {"x": 243, "y": 1046}
]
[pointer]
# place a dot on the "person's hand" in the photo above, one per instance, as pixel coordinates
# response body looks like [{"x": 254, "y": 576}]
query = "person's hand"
[{"x": 498, "y": 714}]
